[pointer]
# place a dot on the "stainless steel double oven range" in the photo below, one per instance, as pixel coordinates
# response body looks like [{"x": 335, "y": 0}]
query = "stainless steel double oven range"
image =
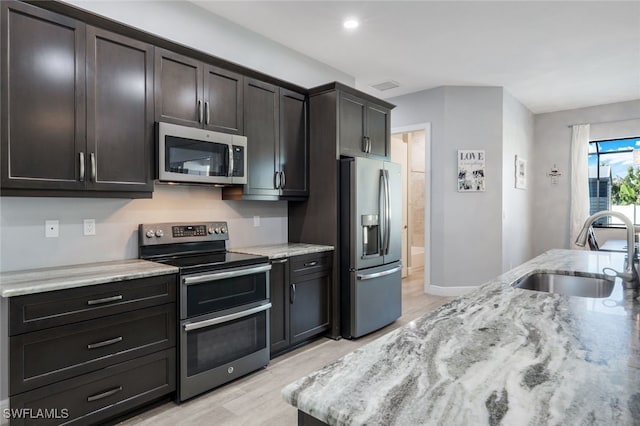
[{"x": 223, "y": 303}]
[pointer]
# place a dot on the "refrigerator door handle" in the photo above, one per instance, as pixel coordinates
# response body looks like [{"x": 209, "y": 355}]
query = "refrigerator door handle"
[
  {"x": 363, "y": 277},
  {"x": 387, "y": 213},
  {"x": 382, "y": 214}
]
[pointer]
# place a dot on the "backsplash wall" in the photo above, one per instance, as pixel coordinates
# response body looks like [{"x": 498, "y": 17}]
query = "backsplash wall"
[{"x": 24, "y": 246}]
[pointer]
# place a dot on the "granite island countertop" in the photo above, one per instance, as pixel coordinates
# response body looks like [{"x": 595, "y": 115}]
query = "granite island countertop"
[
  {"x": 277, "y": 251},
  {"x": 499, "y": 355},
  {"x": 17, "y": 283}
]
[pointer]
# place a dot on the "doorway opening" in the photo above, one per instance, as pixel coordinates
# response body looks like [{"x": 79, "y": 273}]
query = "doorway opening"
[{"x": 410, "y": 148}]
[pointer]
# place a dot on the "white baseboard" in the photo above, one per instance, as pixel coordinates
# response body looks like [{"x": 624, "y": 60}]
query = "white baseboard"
[
  {"x": 437, "y": 290},
  {"x": 4, "y": 404}
]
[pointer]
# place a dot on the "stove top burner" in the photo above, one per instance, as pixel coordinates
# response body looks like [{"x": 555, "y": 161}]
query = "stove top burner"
[
  {"x": 212, "y": 261},
  {"x": 193, "y": 247}
]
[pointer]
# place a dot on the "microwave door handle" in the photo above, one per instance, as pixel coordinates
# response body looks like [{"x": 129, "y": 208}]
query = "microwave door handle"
[{"x": 230, "y": 151}]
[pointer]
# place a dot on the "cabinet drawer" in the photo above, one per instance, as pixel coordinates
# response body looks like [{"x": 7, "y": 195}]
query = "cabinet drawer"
[
  {"x": 44, "y": 310},
  {"x": 43, "y": 357},
  {"x": 97, "y": 396},
  {"x": 310, "y": 263}
]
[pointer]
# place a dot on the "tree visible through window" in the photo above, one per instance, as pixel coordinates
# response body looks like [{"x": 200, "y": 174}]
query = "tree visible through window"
[{"x": 614, "y": 178}]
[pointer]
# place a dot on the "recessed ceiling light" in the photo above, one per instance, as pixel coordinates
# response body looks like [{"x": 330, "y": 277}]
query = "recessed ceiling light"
[{"x": 351, "y": 24}]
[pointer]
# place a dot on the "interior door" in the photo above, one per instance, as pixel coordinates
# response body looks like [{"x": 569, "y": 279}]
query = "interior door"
[{"x": 395, "y": 211}]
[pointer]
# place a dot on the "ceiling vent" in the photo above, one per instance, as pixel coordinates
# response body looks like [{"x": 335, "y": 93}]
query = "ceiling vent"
[{"x": 386, "y": 85}]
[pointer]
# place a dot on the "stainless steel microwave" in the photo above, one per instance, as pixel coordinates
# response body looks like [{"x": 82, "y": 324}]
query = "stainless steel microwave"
[{"x": 188, "y": 154}]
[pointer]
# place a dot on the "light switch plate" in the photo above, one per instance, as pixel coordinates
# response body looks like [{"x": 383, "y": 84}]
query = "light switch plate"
[
  {"x": 89, "y": 227},
  {"x": 51, "y": 228}
]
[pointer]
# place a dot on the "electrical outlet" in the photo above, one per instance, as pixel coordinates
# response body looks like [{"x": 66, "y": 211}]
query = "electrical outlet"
[
  {"x": 256, "y": 221},
  {"x": 51, "y": 228},
  {"x": 89, "y": 227}
]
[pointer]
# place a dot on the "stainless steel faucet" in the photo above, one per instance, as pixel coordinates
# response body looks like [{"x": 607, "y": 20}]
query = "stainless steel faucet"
[{"x": 630, "y": 275}]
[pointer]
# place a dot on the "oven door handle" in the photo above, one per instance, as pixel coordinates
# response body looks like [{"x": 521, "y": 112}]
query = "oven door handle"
[
  {"x": 215, "y": 276},
  {"x": 226, "y": 318}
]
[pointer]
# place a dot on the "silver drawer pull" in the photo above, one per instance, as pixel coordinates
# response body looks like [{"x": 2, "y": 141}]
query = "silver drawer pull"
[
  {"x": 279, "y": 261},
  {"x": 105, "y": 343},
  {"x": 314, "y": 263},
  {"x": 104, "y": 394},
  {"x": 105, "y": 300}
]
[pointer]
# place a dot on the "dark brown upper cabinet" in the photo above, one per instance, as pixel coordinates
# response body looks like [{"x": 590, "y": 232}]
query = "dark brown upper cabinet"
[
  {"x": 77, "y": 107},
  {"x": 275, "y": 124},
  {"x": 364, "y": 127},
  {"x": 192, "y": 93}
]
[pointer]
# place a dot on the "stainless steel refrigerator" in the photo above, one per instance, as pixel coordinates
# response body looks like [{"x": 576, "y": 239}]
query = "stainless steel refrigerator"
[{"x": 370, "y": 237}]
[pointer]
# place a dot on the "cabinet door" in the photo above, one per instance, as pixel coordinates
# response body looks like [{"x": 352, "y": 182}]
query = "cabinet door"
[
  {"x": 119, "y": 112},
  {"x": 178, "y": 89},
  {"x": 223, "y": 100},
  {"x": 261, "y": 129},
  {"x": 310, "y": 309},
  {"x": 279, "y": 313},
  {"x": 351, "y": 125},
  {"x": 43, "y": 110},
  {"x": 379, "y": 130},
  {"x": 293, "y": 144}
]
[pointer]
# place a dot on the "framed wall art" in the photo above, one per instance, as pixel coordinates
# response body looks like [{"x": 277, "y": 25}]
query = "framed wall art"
[{"x": 471, "y": 167}]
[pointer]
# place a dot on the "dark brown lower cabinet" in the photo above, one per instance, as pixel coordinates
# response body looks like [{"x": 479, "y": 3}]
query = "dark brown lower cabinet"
[
  {"x": 100, "y": 395},
  {"x": 106, "y": 350},
  {"x": 300, "y": 297}
]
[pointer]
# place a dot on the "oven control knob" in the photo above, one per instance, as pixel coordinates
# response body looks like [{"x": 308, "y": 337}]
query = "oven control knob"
[
  {"x": 217, "y": 230},
  {"x": 159, "y": 233},
  {"x": 223, "y": 230},
  {"x": 150, "y": 234},
  {"x": 210, "y": 230}
]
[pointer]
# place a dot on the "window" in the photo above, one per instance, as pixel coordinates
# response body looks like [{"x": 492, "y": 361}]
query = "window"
[{"x": 614, "y": 179}]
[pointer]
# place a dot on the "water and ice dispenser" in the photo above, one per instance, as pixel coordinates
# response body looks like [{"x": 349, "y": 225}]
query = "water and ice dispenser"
[{"x": 370, "y": 235}]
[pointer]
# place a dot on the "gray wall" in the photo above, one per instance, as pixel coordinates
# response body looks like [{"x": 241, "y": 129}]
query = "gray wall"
[
  {"x": 550, "y": 228},
  {"x": 517, "y": 139},
  {"x": 466, "y": 228}
]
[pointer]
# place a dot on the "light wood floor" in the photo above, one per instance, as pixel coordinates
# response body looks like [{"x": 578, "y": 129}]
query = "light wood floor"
[{"x": 255, "y": 399}]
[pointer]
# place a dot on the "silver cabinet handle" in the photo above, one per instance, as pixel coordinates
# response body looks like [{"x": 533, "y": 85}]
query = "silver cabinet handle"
[
  {"x": 197, "y": 279},
  {"x": 226, "y": 318},
  {"x": 283, "y": 180},
  {"x": 276, "y": 180},
  {"x": 92, "y": 157},
  {"x": 363, "y": 277},
  {"x": 206, "y": 112},
  {"x": 105, "y": 343},
  {"x": 312, "y": 263},
  {"x": 82, "y": 167},
  {"x": 279, "y": 260},
  {"x": 368, "y": 144},
  {"x": 292, "y": 294},
  {"x": 364, "y": 144},
  {"x": 104, "y": 394},
  {"x": 105, "y": 300},
  {"x": 199, "y": 111}
]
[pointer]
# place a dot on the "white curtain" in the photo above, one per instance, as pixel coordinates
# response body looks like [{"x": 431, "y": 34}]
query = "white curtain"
[{"x": 579, "y": 180}]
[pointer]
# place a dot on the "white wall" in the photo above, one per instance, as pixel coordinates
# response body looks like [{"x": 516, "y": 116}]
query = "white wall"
[
  {"x": 552, "y": 146},
  {"x": 466, "y": 228},
  {"x": 517, "y": 139},
  {"x": 188, "y": 24}
]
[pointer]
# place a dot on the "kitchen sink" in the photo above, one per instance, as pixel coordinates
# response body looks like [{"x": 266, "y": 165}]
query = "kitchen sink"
[{"x": 568, "y": 285}]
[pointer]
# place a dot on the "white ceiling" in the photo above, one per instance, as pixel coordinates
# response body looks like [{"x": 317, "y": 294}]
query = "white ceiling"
[{"x": 550, "y": 55}]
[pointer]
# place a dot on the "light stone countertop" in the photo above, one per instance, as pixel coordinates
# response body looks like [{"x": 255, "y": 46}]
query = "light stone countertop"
[
  {"x": 499, "y": 355},
  {"x": 31, "y": 281},
  {"x": 275, "y": 251}
]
